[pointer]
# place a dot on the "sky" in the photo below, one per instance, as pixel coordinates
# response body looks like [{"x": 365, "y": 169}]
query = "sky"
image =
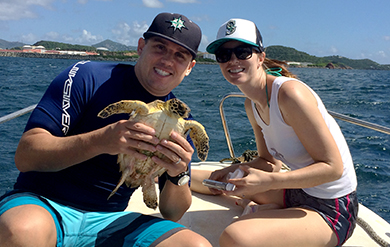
[{"x": 356, "y": 29}]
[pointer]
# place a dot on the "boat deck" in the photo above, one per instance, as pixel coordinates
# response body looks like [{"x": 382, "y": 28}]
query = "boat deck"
[{"x": 209, "y": 215}]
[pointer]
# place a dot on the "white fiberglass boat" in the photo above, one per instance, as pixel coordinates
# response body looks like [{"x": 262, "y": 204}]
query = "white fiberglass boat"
[{"x": 209, "y": 215}]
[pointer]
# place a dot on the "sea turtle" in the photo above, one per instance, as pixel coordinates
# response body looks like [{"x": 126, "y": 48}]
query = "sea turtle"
[{"x": 163, "y": 117}]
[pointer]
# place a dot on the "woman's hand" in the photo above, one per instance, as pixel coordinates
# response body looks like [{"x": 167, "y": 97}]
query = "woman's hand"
[
  {"x": 256, "y": 181},
  {"x": 221, "y": 175}
]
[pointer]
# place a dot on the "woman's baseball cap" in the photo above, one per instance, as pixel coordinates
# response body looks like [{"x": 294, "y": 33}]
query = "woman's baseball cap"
[
  {"x": 178, "y": 29},
  {"x": 237, "y": 29}
]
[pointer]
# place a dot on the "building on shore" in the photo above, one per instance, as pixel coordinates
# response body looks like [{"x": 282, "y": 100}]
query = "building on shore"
[{"x": 42, "y": 50}]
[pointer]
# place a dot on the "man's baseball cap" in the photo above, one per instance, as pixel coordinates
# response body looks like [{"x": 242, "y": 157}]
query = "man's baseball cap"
[
  {"x": 178, "y": 29},
  {"x": 237, "y": 29}
]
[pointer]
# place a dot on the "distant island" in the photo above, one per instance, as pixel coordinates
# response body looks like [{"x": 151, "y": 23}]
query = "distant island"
[{"x": 110, "y": 50}]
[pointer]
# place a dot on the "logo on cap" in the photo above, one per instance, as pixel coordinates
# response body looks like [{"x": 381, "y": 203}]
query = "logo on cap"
[
  {"x": 177, "y": 24},
  {"x": 230, "y": 27}
]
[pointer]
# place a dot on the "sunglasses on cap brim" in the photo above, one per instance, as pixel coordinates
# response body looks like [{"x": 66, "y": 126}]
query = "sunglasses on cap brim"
[{"x": 242, "y": 52}]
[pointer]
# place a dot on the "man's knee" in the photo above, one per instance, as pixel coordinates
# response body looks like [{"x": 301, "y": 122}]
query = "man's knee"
[
  {"x": 186, "y": 238},
  {"x": 27, "y": 225}
]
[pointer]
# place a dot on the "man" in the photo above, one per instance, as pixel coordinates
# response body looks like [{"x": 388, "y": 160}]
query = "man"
[{"x": 67, "y": 155}]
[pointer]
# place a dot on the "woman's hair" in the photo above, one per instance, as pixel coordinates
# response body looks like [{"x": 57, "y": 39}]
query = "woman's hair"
[{"x": 279, "y": 66}]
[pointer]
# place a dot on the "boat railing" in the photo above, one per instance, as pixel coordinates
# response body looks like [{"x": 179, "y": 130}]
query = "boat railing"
[
  {"x": 17, "y": 114},
  {"x": 343, "y": 117}
]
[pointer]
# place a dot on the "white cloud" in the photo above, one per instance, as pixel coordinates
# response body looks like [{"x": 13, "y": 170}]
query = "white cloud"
[
  {"x": 20, "y": 9},
  {"x": 67, "y": 39},
  {"x": 200, "y": 18},
  {"x": 86, "y": 1},
  {"x": 334, "y": 50},
  {"x": 153, "y": 3},
  {"x": 87, "y": 38},
  {"x": 203, "y": 43},
  {"x": 387, "y": 38},
  {"x": 382, "y": 54},
  {"x": 129, "y": 34},
  {"x": 29, "y": 38},
  {"x": 52, "y": 35},
  {"x": 183, "y": 1}
]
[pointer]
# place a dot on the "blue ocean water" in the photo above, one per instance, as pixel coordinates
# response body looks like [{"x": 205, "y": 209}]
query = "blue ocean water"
[{"x": 361, "y": 94}]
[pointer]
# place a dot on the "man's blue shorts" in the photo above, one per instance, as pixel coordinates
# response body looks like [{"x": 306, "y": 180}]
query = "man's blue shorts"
[
  {"x": 339, "y": 213},
  {"x": 110, "y": 229}
]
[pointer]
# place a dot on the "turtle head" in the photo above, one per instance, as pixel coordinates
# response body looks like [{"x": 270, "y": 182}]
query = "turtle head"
[{"x": 178, "y": 107}]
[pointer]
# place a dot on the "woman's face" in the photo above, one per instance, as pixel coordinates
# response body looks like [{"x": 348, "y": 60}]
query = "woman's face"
[{"x": 240, "y": 71}]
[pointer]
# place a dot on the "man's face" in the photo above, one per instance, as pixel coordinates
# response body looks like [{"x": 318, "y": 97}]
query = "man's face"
[{"x": 162, "y": 65}]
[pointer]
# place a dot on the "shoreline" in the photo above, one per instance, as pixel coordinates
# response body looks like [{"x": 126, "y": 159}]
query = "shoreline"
[
  {"x": 91, "y": 57},
  {"x": 76, "y": 57},
  {"x": 5, "y": 53},
  {"x": 65, "y": 56}
]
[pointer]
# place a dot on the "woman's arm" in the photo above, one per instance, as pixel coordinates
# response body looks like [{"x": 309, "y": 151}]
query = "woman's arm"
[{"x": 299, "y": 110}]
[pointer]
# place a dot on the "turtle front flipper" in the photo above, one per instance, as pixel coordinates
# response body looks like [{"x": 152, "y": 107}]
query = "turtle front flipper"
[
  {"x": 124, "y": 106},
  {"x": 199, "y": 137}
]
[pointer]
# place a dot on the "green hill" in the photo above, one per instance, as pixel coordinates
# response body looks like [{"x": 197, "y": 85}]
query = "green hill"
[
  {"x": 108, "y": 44},
  {"x": 114, "y": 46},
  {"x": 357, "y": 63},
  {"x": 283, "y": 53},
  {"x": 9, "y": 45},
  {"x": 292, "y": 55},
  {"x": 50, "y": 45}
]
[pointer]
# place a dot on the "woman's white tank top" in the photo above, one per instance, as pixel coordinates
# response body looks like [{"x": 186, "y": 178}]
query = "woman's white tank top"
[{"x": 284, "y": 145}]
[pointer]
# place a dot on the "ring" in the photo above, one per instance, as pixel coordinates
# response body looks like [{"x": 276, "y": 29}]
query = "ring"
[{"x": 177, "y": 162}]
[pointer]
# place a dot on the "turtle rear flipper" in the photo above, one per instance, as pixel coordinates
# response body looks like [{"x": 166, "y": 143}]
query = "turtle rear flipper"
[
  {"x": 149, "y": 192},
  {"x": 125, "y": 174}
]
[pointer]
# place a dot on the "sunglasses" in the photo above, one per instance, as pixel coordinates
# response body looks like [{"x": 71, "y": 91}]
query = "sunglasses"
[{"x": 244, "y": 52}]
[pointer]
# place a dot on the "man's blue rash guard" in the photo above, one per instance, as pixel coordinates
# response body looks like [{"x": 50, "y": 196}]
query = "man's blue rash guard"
[{"x": 70, "y": 107}]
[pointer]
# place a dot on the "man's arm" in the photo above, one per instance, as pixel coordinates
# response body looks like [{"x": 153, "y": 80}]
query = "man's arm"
[
  {"x": 39, "y": 150},
  {"x": 174, "y": 199}
]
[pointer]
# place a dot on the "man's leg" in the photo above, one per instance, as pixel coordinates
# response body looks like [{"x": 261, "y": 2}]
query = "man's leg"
[
  {"x": 185, "y": 238},
  {"x": 27, "y": 225}
]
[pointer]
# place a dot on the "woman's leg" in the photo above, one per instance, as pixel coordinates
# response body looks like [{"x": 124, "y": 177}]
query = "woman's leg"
[{"x": 279, "y": 227}]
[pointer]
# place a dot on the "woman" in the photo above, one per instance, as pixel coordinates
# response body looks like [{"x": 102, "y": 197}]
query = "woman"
[{"x": 314, "y": 204}]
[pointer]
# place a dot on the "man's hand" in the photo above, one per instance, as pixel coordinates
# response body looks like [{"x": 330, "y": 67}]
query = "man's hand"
[
  {"x": 125, "y": 136},
  {"x": 178, "y": 154}
]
